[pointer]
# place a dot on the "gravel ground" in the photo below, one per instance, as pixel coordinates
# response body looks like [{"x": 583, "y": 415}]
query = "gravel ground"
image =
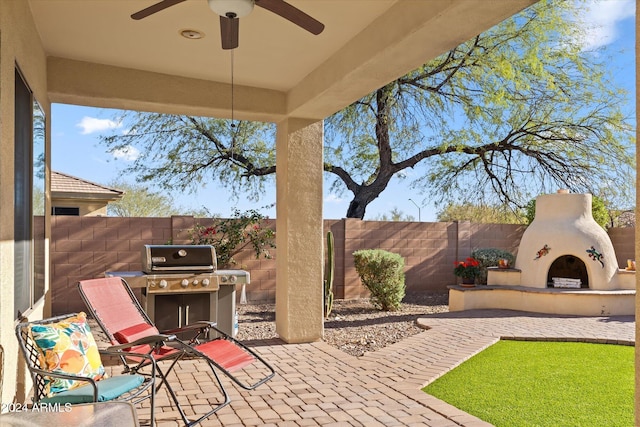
[{"x": 354, "y": 326}]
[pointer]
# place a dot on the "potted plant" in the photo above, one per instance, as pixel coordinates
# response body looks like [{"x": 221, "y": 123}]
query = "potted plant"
[{"x": 468, "y": 270}]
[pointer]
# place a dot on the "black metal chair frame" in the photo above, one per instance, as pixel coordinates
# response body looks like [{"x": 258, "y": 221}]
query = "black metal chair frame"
[{"x": 30, "y": 352}]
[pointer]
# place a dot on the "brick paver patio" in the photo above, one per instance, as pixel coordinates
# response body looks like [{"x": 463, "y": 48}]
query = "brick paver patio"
[{"x": 317, "y": 384}]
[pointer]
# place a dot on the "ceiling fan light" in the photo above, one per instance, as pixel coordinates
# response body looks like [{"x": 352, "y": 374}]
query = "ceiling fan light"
[{"x": 238, "y": 8}]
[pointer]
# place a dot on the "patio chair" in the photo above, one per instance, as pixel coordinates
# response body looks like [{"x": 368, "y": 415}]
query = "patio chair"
[
  {"x": 116, "y": 309},
  {"x": 66, "y": 365}
]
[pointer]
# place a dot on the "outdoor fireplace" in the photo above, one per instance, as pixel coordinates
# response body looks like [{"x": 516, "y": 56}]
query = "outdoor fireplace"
[
  {"x": 566, "y": 264},
  {"x": 565, "y": 242}
]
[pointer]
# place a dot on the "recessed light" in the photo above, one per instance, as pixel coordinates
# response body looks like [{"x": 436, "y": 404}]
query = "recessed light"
[{"x": 191, "y": 34}]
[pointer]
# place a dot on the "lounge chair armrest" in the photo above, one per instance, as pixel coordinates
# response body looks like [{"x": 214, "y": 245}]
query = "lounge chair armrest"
[
  {"x": 111, "y": 352},
  {"x": 151, "y": 339},
  {"x": 52, "y": 374},
  {"x": 195, "y": 325}
]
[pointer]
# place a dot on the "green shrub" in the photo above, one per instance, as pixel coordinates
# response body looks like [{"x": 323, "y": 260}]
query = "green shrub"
[
  {"x": 489, "y": 257},
  {"x": 382, "y": 273}
]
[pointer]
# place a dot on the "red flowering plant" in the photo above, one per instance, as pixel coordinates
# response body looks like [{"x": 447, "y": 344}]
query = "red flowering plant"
[
  {"x": 468, "y": 269},
  {"x": 231, "y": 235}
]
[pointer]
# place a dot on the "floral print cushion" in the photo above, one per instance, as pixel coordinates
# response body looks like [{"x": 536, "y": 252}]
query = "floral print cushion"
[{"x": 67, "y": 347}]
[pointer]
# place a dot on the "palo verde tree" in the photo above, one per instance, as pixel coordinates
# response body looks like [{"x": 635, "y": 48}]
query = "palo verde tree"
[{"x": 517, "y": 111}]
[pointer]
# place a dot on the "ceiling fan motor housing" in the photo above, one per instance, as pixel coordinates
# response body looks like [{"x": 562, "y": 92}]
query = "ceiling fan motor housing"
[{"x": 232, "y": 8}]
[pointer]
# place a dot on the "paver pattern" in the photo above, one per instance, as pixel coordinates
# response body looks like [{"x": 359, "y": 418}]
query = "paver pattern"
[{"x": 317, "y": 384}]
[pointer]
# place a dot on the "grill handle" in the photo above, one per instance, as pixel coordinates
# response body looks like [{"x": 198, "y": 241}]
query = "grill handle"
[{"x": 205, "y": 268}]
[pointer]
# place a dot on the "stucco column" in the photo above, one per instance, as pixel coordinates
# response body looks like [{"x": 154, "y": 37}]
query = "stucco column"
[
  {"x": 299, "y": 261},
  {"x": 637, "y": 361}
]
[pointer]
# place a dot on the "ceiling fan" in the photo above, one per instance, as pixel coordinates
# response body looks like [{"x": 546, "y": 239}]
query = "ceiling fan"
[{"x": 231, "y": 11}]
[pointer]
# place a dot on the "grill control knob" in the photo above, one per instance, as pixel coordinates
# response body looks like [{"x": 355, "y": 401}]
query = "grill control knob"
[
  {"x": 163, "y": 283},
  {"x": 224, "y": 279},
  {"x": 205, "y": 282},
  {"x": 195, "y": 282},
  {"x": 184, "y": 283},
  {"x": 182, "y": 253},
  {"x": 233, "y": 279}
]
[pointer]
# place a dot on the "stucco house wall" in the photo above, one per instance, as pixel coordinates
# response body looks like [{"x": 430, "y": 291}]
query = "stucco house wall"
[{"x": 19, "y": 47}]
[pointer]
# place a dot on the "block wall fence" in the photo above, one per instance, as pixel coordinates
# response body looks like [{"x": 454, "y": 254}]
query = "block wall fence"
[{"x": 87, "y": 247}]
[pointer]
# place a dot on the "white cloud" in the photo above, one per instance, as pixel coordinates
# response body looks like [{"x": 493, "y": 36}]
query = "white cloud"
[
  {"x": 128, "y": 153},
  {"x": 602, "y": 19},
  {"x": 92, "y": 124},
  {"x": 332, "y": 198}
]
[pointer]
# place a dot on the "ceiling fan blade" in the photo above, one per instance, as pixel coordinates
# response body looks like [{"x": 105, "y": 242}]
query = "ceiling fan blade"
[
  {"x": 293, "y": 14},
  {"x": 229, "y": 30},
  {"x": 155, "y": 8}
]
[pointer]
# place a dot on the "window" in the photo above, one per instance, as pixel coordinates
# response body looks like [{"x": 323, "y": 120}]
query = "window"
[
  {"x": 59, "y": 210},
  {"x": 29, "y": 162}
]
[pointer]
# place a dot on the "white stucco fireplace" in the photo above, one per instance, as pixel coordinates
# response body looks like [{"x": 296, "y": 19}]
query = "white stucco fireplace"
[{"x": 566, "y": 264}]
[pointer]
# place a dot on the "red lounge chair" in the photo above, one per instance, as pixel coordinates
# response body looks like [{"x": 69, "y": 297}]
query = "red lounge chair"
[{"x": 119, "y": 314}]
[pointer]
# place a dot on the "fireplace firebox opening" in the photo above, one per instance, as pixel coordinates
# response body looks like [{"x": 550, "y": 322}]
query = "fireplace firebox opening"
[{"x": 568, "y": 267}]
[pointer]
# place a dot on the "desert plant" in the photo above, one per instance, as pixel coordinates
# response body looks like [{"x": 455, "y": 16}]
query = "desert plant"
[
  {"x": 467, "y": 269},
  {"x": 382, "y": 273},
  {"x": 490, "y": 257},
  {"x": 231, "y": 235},
  {"x": 328, "y": 276}
]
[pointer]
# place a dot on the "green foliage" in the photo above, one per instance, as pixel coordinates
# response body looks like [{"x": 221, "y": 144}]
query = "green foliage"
[
  {"x": 530, "y": 211},
  {"x": 489, "y": 257},
  {"x": 546, "y": 384},
  {"x": 599, "y": 211},
  {"x": 183, "y": 152},
  {"x": 229, "y": 236},
  {"x": 139, "y": 201},
  {"x": 481, "y": 214},
  {"x": 395, "y": 215},
  {"x": 382, "y": 273},
  {"x": 328, "y": 276}
]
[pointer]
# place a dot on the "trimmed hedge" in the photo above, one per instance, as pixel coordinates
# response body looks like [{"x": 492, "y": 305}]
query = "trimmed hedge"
[{"x": 382, "y": 273}]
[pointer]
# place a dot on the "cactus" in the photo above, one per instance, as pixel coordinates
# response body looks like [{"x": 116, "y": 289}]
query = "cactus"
[{"x": 328, "y": 276}]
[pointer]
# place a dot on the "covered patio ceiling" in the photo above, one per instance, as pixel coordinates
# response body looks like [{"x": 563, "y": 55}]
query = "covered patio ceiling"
[{"x": 280, "y": 70}]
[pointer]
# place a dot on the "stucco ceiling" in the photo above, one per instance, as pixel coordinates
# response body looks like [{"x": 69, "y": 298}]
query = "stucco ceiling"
[{"x": 365, "y": 44}]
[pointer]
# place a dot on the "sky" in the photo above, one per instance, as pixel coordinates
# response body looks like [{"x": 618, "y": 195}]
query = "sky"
[{"x": 76, "y": 151}]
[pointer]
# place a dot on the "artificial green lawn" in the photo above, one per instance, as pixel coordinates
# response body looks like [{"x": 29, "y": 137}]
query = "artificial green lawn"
[{"x": 525, "y": 383}]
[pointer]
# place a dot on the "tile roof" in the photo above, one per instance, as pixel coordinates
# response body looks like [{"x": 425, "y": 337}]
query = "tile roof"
[{"x": 64, "y": 183}]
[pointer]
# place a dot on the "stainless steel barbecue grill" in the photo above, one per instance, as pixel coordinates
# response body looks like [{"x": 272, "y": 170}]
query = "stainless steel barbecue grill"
[{"x": 181, "y": 284}]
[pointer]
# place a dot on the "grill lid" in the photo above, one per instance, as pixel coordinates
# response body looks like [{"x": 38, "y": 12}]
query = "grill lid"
[{"x": 178, "y": 258}]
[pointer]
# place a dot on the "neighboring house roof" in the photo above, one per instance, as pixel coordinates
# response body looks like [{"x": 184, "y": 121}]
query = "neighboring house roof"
[{"x": 71, "y": 187}]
